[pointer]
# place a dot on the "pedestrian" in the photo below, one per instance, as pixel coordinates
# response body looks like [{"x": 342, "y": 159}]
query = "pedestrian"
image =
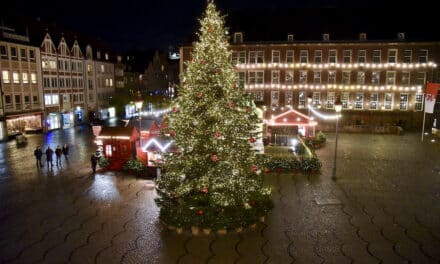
[
  {"x": 94, "y": 160},
  {"x": 66, "y": 151},
  {"x": 49, "y": 154},
  {"x": 58, "y": 152},
  {"x": 38, "y": 154}
]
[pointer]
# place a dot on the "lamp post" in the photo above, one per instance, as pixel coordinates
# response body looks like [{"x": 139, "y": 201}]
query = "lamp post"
[
  {"x": 139, "y": 107},
  {"x": 338, "y": 108},
  {"x": 309, "y": 103}
]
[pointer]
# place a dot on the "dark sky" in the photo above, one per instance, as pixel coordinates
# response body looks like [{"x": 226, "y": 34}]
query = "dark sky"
[{"x": 158, "y": 23}]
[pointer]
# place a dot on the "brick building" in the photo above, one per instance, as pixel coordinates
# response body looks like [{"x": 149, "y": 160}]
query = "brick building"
[{"x": 380, "y": 82}]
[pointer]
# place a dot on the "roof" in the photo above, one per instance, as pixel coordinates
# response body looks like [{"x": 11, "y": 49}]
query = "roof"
[
  {"x": 146, "y": 124},
  {"x": 117, "y": 131},
  {"x": 291, "y": 118}
]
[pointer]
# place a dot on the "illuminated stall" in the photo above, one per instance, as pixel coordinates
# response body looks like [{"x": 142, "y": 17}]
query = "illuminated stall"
[{"x": 29, "y": 123}]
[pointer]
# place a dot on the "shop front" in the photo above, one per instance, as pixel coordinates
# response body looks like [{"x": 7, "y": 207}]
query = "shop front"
[
  {"x": 68, "y": 120},
  {"x": 24, "y": 123},
  {"x": 79, "y": 115},
  {"x": 53, "y": 121},
  {"x": 107, "y": 113},
  {"x": 2, "y": 130}
]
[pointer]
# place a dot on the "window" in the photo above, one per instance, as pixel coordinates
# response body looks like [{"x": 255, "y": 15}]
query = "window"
[
  {"x": 421, "y": 78},
  {"x": 302, "y": 98},
  {"x": 242, "y": 57},
  {"x": 376, "y": 56},
  {"x": 289, "y": 97},
  {"x": 289, "y": 56},
  {"x": 108, "y": 150},
  {"x": 65, "y": 98},
  {"x": 418, "y": 106},
  {"x": 17, "y": 100},
  {"x": 330, "y": 104},
  {"x": 256, "y": 56},
  {"x": 14, "y": 53},
  {"x": 25, "y": 77},
  {"x": 302, "y": 77},
  {"x": 374, "y": 101},
  {"x": 23, "y": 54},
  {"x": 391, "y": 77},
  {"x": 106, "y": 56},
  {"x": 53, "y": 82},
  {"x": 344, "y": 99},
  {"x": 362, "y": 56},
  {"x": 73, "y": 66},
  {"x": 360, "y": 77},
  {"x": 362, "y": 36},
  {"x": 275, "y": 77},
  {"x": 423, "y": 56},
  {"x": 32, "y": 55},
  {"x": 331, "y": 77},
  {"x": 259, "y": 96},
  {"x": 5, "y": 77},
  {"x": 52, "y": 64},
  {"x": 316, "y": 98},
  {"x": 102, "y": 68},
  {"x": 89, "y": 68},
  {"x": 90, "y": 84},
  {"x": 274, "y": 98},
  {"x": 388, "y": 101},
  {"x": 27, "y": 99},
  {"x": 317, "y": 77},
  {"x": 15, "y": 77},
  {"x": 375, "y": 77},
  {"x": 347, "y": 56},
  {"x": 98, "y": 55},
  {"x": 3, "y": 52},
  {"x": 61, "y": 81},
  {"x": 8, "y": 100},
  {"x": 35, "y": 99},
  {"x": 392, "y": 56},
  {"x": 346, "y": 77},
  {"x": 405, "y": 78},
  {"x": 241, "y": 78},
  {"x": 290, "y": 37},
  {"x": 318, "y": 56},
  {"x": 332, "y": 54},
  {"x": 359, "y": 101},
  {"x": 111, "y": 82},
  {"x": 46, "y": 82},
  {"x": 275, "y": 56},
  {"x": 407, "y": 56},
  {"x": 289, "y": 77},
  {"x": 234, "y": 58},
  {"x": 403, "y": 105},
  {"x": 256, "y": 77},
  {"x": 33, "y": 78},
  {"x": 238, "y": 37},
  {"x": 303, "y": 56}
]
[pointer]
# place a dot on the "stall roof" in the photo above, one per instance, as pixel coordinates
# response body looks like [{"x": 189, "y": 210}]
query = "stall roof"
[{"x": 130, "y": 132}]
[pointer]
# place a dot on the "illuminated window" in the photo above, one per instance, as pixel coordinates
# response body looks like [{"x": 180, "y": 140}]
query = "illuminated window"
[
  {"x": 258, "y": 96},
  {"x": 303, "y": 77},
  {"x": 255, "y": 77},
  {"x": 302, "y": 97},
  {"x": 375, "y": 77},
  {"x": 316, "y": 98},
  {"x": 376, "y": 56},
  {"x": 108, "y": 150},
  {"x": 5, "y": 77},
  {"x": 317, "y": 77},
  {"x": 111, "y": 82},
  {"x": 344, "y": 99},
  {"x": 374, "y": 101},
  {"x": 34, "y": 78},
  {"x": 25, "y": 77},
  {"x": 392, "y": 56},
  {"x": 391, "y": 77},
  {"x": 15, "y": 77},
  {"x": 289, "y": 97},
  {"x": 275, "y": 96},
  {"x": 361, "y": 77},
  {"x": 403, "y": 105},
  {"x": 346, "y": 77},
  {"x": 359, "y": 101},
  {"x": 331, "y": 77},
  {"x": 332, "y": 56},
  {"x": 275, "y": 77},
  {"x": 304, "y": 56},
  {"x": 362, "y": 56},
  {"x": 330, "y": 100},
  {"x": 405, "y": 78},
  {"x": 318, "y": 56},
  {"x": 289, "y": 77},
  {"x": 388, "y": 101},
  {"x": 102, "y": 68},
  {"x": 418, "y": 106}
]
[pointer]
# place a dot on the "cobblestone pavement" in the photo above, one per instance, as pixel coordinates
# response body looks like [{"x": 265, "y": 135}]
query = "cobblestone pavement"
[{"x": 383, "y": 208}]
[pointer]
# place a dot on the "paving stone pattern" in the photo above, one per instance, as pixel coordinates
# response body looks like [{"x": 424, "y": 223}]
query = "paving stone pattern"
[{"x": 383, "y": 208}]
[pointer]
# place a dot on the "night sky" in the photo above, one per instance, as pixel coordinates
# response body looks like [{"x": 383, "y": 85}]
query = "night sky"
[{"x": 154, "y": 24}]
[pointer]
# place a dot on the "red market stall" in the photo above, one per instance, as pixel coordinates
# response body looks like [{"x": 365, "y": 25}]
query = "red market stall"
[{"x": 118, "y": 144}]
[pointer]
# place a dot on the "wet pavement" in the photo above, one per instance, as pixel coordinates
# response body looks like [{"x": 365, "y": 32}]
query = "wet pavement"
[{"x": 384, "y": 207}]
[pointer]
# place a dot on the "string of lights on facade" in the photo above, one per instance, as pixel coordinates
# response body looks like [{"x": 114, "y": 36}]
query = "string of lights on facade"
[
  {"x": 417, "y": 88},
  {"x": 336, "y": 65}
]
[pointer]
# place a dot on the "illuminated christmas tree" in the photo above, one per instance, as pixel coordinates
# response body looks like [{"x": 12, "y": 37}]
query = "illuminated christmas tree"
[{"x": 212, "y": 181}]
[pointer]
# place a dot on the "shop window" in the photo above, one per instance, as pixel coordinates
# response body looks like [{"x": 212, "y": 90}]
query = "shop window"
[{"x": 108, "y": 150}]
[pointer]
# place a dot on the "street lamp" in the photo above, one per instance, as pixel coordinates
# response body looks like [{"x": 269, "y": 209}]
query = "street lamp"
[
  {"x": 338, "y": 108},
  {"x": 139, "y": 107}
]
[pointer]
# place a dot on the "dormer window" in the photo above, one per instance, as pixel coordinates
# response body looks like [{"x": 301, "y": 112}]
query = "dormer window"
[
  {"x": 363, "y": 36},
  {"x": 290, "y": 37},
  {"x": 238, "y": 37},
  {"x": 401, "y": 36},
  {"x": 326, "y": 37},
  {"x": 106, "y": 56}
]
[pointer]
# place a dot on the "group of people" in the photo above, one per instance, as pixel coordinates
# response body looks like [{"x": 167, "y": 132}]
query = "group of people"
[{"x": 38, "y": 153}]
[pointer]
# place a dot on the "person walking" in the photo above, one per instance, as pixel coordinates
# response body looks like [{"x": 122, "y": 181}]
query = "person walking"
[
  {"x": 38, "y": 154},
  {"x": 66, "y": 151},
  {"x": 94, "y": 160},
  {"x": 58, "y": 152},
  {"x": 49, "y": 154}
]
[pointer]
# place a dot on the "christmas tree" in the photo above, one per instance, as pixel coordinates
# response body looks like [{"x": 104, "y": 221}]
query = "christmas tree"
[{"x": 212, "y": 180}]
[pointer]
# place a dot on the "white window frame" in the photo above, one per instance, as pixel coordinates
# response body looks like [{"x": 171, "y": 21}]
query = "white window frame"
[
  {"x": 276, "y": 56},
  {"x": 418, "y": 80},
  {"x": 302, "y": 99},
  {"x": 25, "y": 77},
  {"x": 375, "y": 80},
  {"x": 258, "y": 96},
  {"x": 317, "y": 56},
  {"x": 255, "y": 77},
  {"x": 242, "y": 57},
  {"x": 392, "y": 56},
  {"x": 303, "y": 77},
  {"x": 274, "y": 98},
  {"x": 238, "y": 37},
  {"x": 317, "y": 77},
  {"x": 304, "y": 56},
  {"x": 403, "y": 104},
  {"x": 359, "y": 101},
  {"x": 330, "y": 103},
  {"x": 290, "y": 56},
  {"x": 287, "y": 79},
  {"x": 406, "y": 78},
  {"x": 419, "y": 101},
  {"x": 275, "y": 77},
  {"x": 360, "y": 78},
  {"x": 377, "y": 56},
  {"x": 346, "y": 56},
  {"x": 241, "y": 78},
  {"x": 333, "y": 56},
  {"x": 345, "y": 98},
  {"x": 316, "y": 99},
  {"x": 346, "y": 80},
  {"x": 374, "y": 101},
  {"x": 391, "y": 78},
  {"x": 362, "y": 56},
  {"x": 331, "y": 78},
  {"x": 423, "y": 56},
  {"x": 5, "y": 76},
  {"x": 388, "y": 105},
  {"x": 407, "y": 58},
  {"x": 288, "y": 98}
]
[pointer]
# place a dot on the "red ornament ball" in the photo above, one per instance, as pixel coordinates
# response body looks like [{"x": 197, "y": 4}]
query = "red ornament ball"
[
  {"x": 199, "y": 94},
  {"x": 231, "y": 105},
  {"x": 172, "y": 133},
  {"x": 204, "y": 190},
  {"x": 254, "y": 167},
  {"x": 200, "y": 212},
  {"x": 202, "y": 61},
  {"x": 214, "y": 158},
  {"x": 234, "y": 86},
  {"x": 252, "y": 140},
  {"x": 218, "y": 71},
  {"x": 217, "y": 134},
  {"x": 174, "y": 109}
]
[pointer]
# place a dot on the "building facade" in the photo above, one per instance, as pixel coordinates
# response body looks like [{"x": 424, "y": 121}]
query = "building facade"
[
  {"x": 378, "y": 82},
  {"x": 21, "y": 106}
]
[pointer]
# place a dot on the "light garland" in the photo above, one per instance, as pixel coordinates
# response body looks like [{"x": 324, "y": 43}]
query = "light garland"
[
  {"x": 323, "y": 116},
  {"x": 156, "y": 113},
  {"x": 157, "y": 144},
  {"x": 336, "y": 65},
  {"x": 417, "y": 88},
  {"x": 113, "y": 137}
]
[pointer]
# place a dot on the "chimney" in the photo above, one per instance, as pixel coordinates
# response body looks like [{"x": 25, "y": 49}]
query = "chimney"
[
  {"x": 362, "y": 36},
  {"x": 326, "y": 37}
]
